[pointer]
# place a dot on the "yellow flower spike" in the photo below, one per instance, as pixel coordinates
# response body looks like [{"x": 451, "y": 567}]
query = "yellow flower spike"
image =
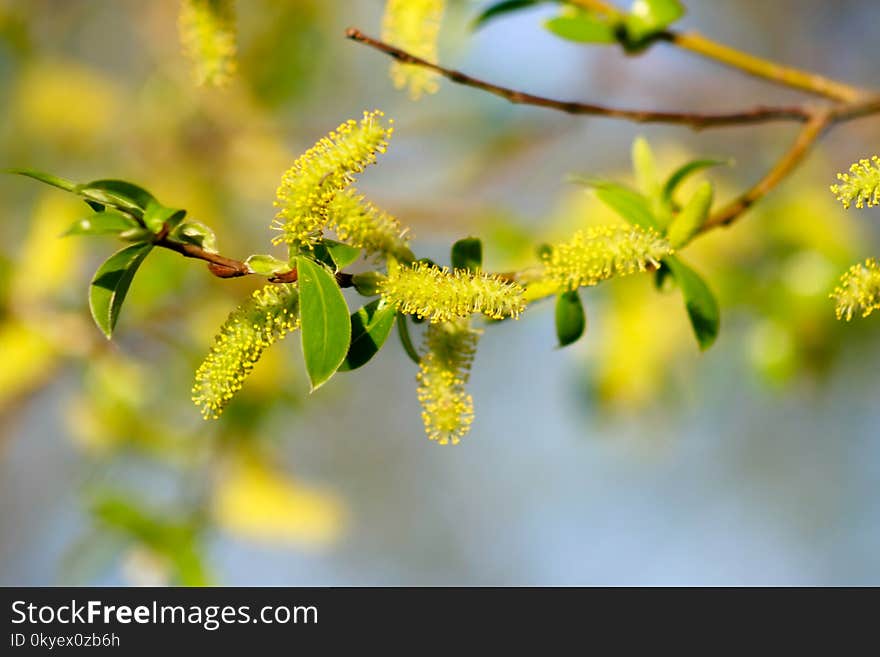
[
  {"x": 207, "y": 34},
  {"x": 602, "y": 252},
  {"x": 309, "y": 187},
  {"x": 859, "y": 291},
  {"x": 440, "y": 295},
  {"x": 861, "y": 185},
  {"x": 447, "y": 409},
  {"x": 414, "y": 26},
  {"x": 361, "y": 224},
  {"x": 269, "y": 315}
]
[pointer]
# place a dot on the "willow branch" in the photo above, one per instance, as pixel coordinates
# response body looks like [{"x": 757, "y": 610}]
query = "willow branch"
[
  {"x": 808, "y": 135},
  {"x": 756, "y": 66},
  {"x": 760, "y": 114}
]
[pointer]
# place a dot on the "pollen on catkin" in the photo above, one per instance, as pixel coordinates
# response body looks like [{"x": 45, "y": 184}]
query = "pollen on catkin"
[
  {"x": 270, "y": 314},
  {"x": 414, "y": 26},
  {"x": 309, "y": 187},
  {"x": 207, "y": 34},
  {"x": 861, "y": 185},
  {"x": 442, "y": 295},
  {"x": 447, "y": 408},
  {"x": 361, "y": 224},
  {"x": 859, "y": 291},
  {"x": 602, "y": 252}
]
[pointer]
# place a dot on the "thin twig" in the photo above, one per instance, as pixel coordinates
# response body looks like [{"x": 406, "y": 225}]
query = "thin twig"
[
  {"x": 697, "y": 121},
  {"x": 756, "y": 66}
]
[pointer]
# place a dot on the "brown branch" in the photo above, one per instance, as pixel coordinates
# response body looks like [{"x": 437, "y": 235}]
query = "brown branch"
[
  {"x": 697, "y": 121},
  {"x": 808, "y": 135}
]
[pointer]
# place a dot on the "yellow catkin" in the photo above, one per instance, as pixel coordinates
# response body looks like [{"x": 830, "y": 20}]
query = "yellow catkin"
[
  {"x": 361, "y": 224},
  {"x": 859, "y": 291},
  {"x": 447, "y": 408},
  {"x": 207, "y": 34},
  {"x": 309, "y": 187},
  {"x": 602, "y": 252},
  {"x": 861, "y": 185},
  {"x": 414, "y": 26},
  {"x": 440, "y": 295},
  {"x": 270, "y": 314}
]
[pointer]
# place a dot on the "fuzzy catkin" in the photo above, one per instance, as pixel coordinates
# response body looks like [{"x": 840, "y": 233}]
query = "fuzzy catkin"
[
  {"x": 309, "y": 187},
  {"x": 442, "y": 295},
  {"x": 361, "y": 224},
  {"x": 414, "y": 26},
  {"x": 447, "y": 408},
  {"x": 270, "y": 314},
  {"x": 207, "y": 35},
  {"x": 858, "y": 291},
  {"x": 602, "y": 252},
  {"x": 861, "y": 186}
]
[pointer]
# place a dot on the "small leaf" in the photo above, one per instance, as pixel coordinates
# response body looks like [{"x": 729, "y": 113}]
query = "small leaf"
[
  {"x": 266, "y": 265},
  {"x": 47, "y": 178},
  {"x": 680, "y": 174},
  {"x": 118, "y": 193},
  {"x": 406, "y": 340},
  {"x": 370, "y": 327},
  {"x": 326, "y": 326},
  {"x": 343, "y": 254},
  {"x": 626, "y": 202},
  {"x": 648, "y": 17},
  {"x": 571, "y": 321},
  {"x": 582, "y": 27},
  {"x": 157, "y": 215},
  {"x": 197, "y": 233},
  {"x": 502, "y": 8},
  {"x": 467, "y": 254},
  {"x": 702, "y": 307},
  {"x": 102, "y": 223},
  {"x": 692, "y": 216},
  {"x": 645, "y": 167},
  {"x": 111, "y": 282},
  {"x": 368, "y": 283}
]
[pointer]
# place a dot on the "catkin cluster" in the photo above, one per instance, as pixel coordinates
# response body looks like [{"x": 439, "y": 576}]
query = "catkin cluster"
[
  {"x": 447, "y": 408},
  {"x": 861, "y": 185},
  {"x": 315, "y": 180},
  {"x": 414, "y": 26},
  {"x": 602, "y": 252},
  {"x": 858, "y": 291},
  {"x": 207, "y": 34},
  {"x": 270, "y": 314},
  {"x": 443, "y": 295}
]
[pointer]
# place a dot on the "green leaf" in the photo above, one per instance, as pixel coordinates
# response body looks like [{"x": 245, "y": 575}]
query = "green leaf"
[
  {"x": 111, "y": 282},
  {"x": 648, "y": 17},
  {"x": 406, "y": 340},
  {"x": 680, "y": 174},
  {"x": 467, "y": 254},
  {"x": 645, "y": 167},
  {"x": 118, "y": 193},
  {"x": 368, "y": 283},
  {"x": 102, "y": 223},
  {"x": 628, "y": 203},
  {"x": 702, "y": 307},
  {"x": 571, "y": 321},
  {"x": 266, "y": 265},
  {"x": 502, "y": 8},
  {"x": 157, "y": 215},
  {"x": 583, "y": 27},
  {"x": 325, "y": 323},
  {"x": 47, "y": 178},
  {"x": 343, "y": 254},
  {"x": 197, "y": 233},
  {"x": 370, "y": 327},
  {"x": 692, "y": 216}
]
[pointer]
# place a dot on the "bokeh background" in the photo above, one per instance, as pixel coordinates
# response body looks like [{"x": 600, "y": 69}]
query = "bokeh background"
[{"x": 630, "y": 458}]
